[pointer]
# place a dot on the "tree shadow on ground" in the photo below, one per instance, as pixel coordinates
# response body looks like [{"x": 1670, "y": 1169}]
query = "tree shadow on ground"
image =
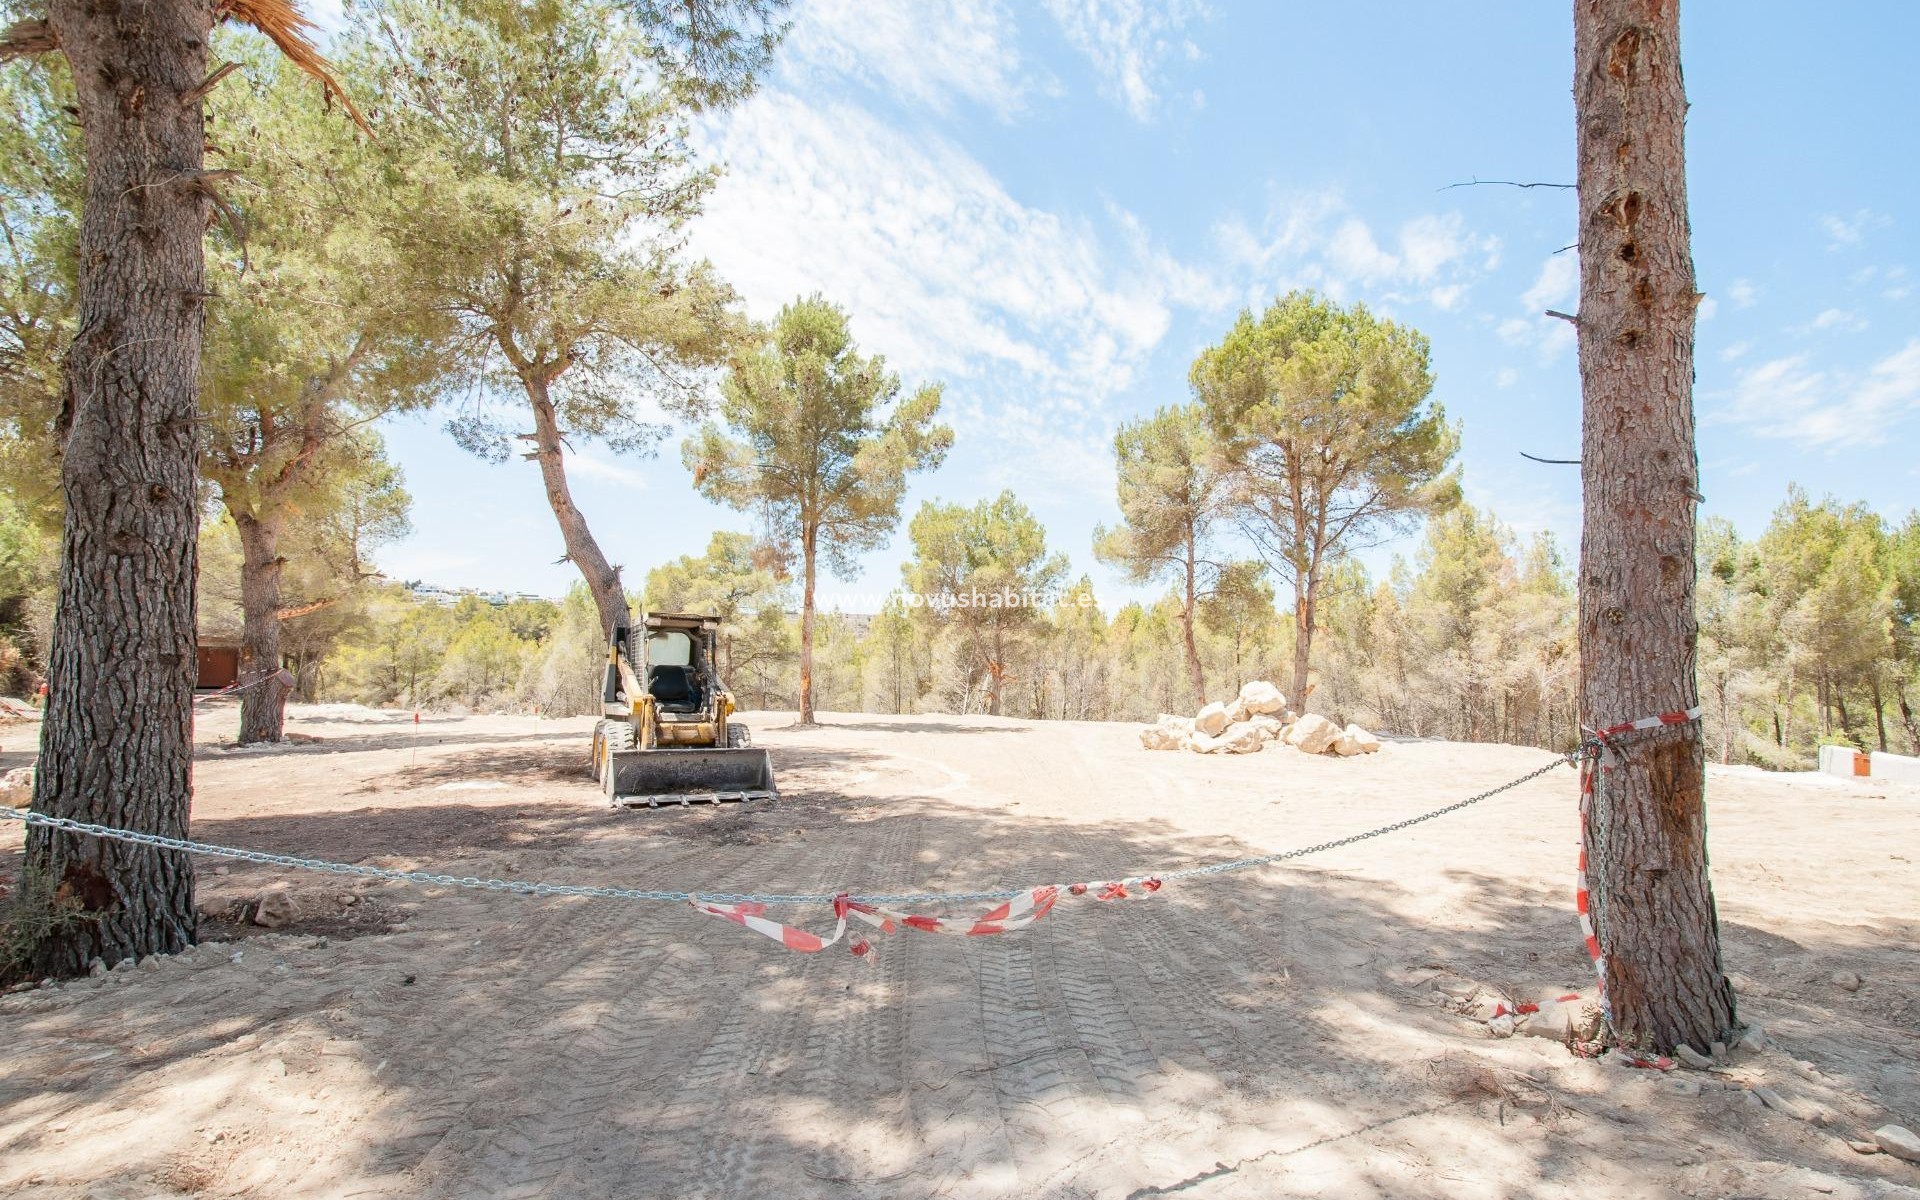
[
  {"x": 361, "y": 743},
  {"x": 1273, "y": 1031},
  {"x": 867, "y": 724}
]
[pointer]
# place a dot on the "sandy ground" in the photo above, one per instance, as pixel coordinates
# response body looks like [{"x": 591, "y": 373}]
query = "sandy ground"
[{"x": 1287, "y": 1031}]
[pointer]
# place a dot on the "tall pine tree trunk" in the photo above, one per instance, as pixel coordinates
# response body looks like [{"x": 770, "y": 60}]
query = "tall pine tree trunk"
[
  {"x": 1196, "y": 675},
  {"x": 263, "y": 705},
  {"x": 1304, "y": 599},
  {"x": 603, "y": 579},
  {"x": 117, "y": 745},
  {"x": 809, "y": 543},
  {"x": 1645, "y": 837}
]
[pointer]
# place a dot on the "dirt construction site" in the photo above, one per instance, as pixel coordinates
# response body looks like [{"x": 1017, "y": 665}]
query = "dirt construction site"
[{"x": 1315, "y": 1028}]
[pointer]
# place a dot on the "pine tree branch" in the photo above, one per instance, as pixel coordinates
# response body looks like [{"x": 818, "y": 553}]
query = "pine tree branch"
[{"x": 1477, "y": 182}]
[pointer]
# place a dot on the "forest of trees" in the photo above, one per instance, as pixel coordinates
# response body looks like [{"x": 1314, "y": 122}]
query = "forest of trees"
[{"x": 1810, "y": 633}]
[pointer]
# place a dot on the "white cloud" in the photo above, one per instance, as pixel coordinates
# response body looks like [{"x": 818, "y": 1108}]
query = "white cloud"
[
  {"x": 1352, "y": 251},
  {"x": 1843, "y": 232},
  {"x": 924, "y": 52},
  {"x": 1894, "y": 280},
  {"x": 1557, "y": 284},
  {"x": 1506, "y": 377},
  {"x": 589, "y": 463},
  {"x": 944, "y": 272},
  {"x": 1789, "y": 398},
  {"x": 1743, "y": 293},
  {"x": 1707, "y": 307},
  {"x": 1129, "y": 42},
  {"x": 1314, "y": 239},
  {"x": 1837, "y": 319},
  {"x": 1737, "y": 350}
]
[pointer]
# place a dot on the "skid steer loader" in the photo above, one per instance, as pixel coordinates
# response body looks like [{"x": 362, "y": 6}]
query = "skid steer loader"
[{"x": 665, "y": 734}]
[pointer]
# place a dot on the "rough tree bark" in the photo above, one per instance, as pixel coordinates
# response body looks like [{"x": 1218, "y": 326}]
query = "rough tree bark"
[
  {"x": 263, "y": 706},
  {"x": 1306, "y": 597},
  {"x": 1196, "y": 675},
  {"x": 117, "y": 745},
  {"x": 603, "y": 579},
  {"x": 1645, "y": 838},
  {"x": 809, "y": 549}
]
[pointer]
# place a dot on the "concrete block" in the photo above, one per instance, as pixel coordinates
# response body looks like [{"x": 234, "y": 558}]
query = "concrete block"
[
  {"x": 1896, "y": 768},
  {"x": 1844, "y": 761}
]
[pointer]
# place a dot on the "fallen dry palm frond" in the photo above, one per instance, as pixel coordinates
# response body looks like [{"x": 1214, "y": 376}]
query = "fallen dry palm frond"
[{"x": 289, "y": 28}]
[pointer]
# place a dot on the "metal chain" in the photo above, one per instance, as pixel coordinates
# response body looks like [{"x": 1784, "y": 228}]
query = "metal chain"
[
  {"x": 234, "y": 689},
  {"x": 529, "y": 888}
]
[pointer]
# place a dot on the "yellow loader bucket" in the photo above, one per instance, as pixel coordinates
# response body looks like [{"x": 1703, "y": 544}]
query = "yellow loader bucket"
[{"x": 651, "y": 778}]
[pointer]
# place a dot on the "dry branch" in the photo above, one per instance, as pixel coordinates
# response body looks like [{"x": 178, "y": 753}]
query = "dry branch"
[{"x": 288, "y": 28}]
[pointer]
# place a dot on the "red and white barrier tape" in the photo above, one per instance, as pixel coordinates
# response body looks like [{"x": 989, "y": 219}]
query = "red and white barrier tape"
[
  {"x": 1017, "y": 913},
  {"x": 1582, "y": 893},
  {"x": 1657, "y": 721}
]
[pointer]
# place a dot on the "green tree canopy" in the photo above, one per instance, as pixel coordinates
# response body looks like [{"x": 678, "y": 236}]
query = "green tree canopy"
[
  {"x": 822, "y": 443},
  {"x": 1172, "y": 490},
  {"x": 310, "y": 340},
  {"x": 1323, "y": 414},
  {"x": 539, "y": 178},
  {"x": 983, "y": 572}
]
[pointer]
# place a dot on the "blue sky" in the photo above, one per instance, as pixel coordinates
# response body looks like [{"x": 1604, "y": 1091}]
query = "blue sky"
[{"x": 1051, "y": 206}]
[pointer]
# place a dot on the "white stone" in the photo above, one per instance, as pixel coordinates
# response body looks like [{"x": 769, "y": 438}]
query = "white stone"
[
  {"x": 1237, "y": 712},
  {"x": 1898, "y": 1141},
  {"x": 1262, "y": 697},
  {"x": 1211, "y": 719},
  {"x": 1270, "y": 727},
  {"x": 1364, "y": 742},
  {"x": 1205, "y": 743},
  {"x": 1553, "y": 1021},
  {"x": 274, "y": 909},
  {"x": 1846, "y": 981},
  {"x": 1155, "y": 737},
  {"x": 1243, "y": 738},
  {"x": 1313, "y": 734},
  {"x": 1692, "y": 1058},
  {"x": 1169, "y": 732}
]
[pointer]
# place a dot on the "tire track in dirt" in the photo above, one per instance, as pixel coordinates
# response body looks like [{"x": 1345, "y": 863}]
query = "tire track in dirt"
[
  {"x": 466, "y": 1072},
  {"x": 714, "y": 1131}
]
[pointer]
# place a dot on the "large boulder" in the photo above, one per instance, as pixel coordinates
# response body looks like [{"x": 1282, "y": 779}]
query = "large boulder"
[
  {"x": 1205, "y": 743},
  {"x": 1167, "y": 733},
  {"x": 16, "y": 787},
  {"x": 1262, "y": 697},
  {"x": 1211, "y": 719},
  {"x": 1270, "y": 726},
  {"x": 1159, "y": 737},
  {"x": 1236, "y": 711},
  {"x": 1313, "y": 734},
  {"x": 1355, "y": 740},
  {"x": 1242, "y": 738}
]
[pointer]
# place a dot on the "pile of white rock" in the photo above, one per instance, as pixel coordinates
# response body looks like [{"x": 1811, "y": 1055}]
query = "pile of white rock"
[{"x": 1258, "y": 715}]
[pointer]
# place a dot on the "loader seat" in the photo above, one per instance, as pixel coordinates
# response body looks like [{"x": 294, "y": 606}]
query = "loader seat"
[{"x": 673, "y": 689}]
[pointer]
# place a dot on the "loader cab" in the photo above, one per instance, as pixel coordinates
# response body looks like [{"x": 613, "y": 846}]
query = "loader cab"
[
  {"x": 673, "y": 675},
  {"x": 678, "y": 664}
]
